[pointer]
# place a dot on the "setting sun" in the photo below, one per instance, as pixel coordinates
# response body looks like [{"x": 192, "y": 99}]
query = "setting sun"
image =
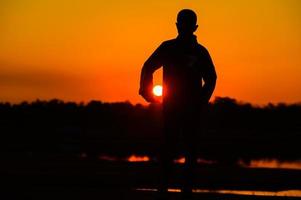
[{"x": 157, "y": 90}]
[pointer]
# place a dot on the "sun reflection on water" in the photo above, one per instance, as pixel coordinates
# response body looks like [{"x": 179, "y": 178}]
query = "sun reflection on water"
[
  {"x": 286, "y": 193},
  {"x": 260, "y": 163}
]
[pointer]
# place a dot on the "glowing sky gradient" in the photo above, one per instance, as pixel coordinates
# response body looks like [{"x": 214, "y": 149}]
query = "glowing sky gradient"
[{"x": 94, "y": 49}]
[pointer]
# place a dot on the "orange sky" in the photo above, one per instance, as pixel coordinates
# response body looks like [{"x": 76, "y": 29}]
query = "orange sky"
[{"x": 94, "y": 49}]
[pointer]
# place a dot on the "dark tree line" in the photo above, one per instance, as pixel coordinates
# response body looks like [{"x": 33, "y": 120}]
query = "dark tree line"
[{"x": 232, "y": 130}]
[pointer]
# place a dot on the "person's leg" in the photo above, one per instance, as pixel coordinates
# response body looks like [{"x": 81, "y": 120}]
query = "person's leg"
[
  {"x": 191, "y": 130},
  {"x": 167, "y": 153},
  {"x": 165, "y": 162},
  {"x": 189, "y": 170}
]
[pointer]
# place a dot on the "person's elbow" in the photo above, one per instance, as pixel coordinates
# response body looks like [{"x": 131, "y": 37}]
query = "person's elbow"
[
  {"x": 213, "y": 76},
  {"x": 146, "y": 68},
  {"x": 212, "y": 79}
]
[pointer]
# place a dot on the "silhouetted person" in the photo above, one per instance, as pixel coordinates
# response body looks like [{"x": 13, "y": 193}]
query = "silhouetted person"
[{"x": 186, "y": 66}]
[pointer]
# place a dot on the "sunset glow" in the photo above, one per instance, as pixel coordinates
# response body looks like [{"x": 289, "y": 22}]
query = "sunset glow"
[{"x": 94, "y": 50}]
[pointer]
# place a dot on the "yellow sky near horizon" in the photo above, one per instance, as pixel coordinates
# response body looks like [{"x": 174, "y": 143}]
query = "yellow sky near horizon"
[{"x": 82, "y": 50}]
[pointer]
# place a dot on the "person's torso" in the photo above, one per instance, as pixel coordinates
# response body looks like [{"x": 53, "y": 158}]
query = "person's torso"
[{"x": 182, "y": 71}]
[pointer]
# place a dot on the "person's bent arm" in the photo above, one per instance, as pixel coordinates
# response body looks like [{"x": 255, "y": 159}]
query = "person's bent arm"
[
  {"x": 153, "y": 63},
  {"x": 209, "y": 78}
]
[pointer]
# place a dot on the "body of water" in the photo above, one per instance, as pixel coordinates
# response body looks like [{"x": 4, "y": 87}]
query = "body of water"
[
  {"x": 260, "y": 163},
  {"x": 287, "y": 193}
]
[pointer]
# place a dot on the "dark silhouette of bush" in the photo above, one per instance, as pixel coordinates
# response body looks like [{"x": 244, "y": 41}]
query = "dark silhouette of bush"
[{"x": 233, "y": 130}]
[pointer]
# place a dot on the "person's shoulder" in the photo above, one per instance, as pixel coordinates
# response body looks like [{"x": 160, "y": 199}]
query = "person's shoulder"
[
  {"x": 202, "y": 48},
  {"x": 170, "y": 42},
  {"x": 167, "y": 45}
]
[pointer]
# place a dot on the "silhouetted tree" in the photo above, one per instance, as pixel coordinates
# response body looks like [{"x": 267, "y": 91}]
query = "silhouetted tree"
[{"x": 233, "y": 131}]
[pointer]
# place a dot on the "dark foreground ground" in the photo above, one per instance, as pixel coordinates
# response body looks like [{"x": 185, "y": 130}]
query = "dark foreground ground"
[
  {"x": 122, "y": 194},
  {"x": 86, "y": 179}
]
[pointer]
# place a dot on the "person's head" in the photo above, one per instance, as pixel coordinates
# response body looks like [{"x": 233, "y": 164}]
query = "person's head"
[{"x": 186, "y": 22}]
